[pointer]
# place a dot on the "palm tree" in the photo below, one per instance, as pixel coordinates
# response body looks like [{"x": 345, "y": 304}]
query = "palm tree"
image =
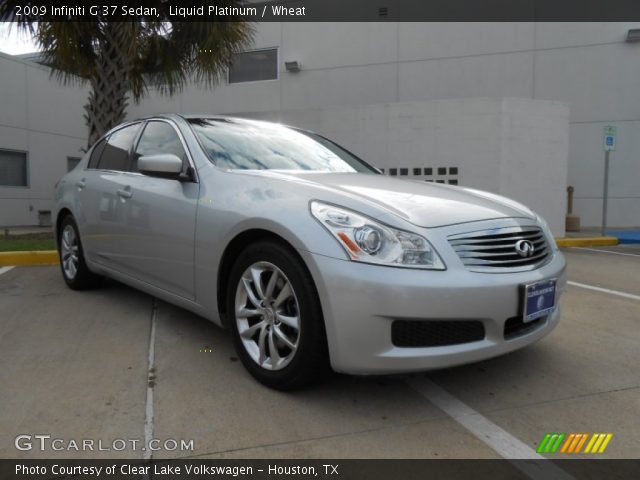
[{"x": 121, "y": 61}]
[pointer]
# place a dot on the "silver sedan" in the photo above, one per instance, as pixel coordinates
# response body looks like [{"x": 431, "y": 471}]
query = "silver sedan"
[{"x": 308, "y": 255}]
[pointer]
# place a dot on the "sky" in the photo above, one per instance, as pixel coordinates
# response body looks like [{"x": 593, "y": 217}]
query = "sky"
[{"x": 14, "y": 42}]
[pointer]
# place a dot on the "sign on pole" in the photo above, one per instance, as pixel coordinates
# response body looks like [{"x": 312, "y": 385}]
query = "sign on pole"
[{"x": 610, "y": 134}]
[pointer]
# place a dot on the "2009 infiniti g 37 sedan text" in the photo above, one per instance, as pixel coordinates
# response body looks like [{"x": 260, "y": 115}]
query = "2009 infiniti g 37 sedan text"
[{"x": 311, "y": 257}]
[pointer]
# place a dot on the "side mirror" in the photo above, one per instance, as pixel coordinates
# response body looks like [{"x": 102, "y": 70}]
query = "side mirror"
[{"x": 162, "y": 163}]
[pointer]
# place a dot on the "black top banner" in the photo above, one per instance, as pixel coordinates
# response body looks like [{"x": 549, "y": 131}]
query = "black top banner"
[{"x": 325, "y": 10}]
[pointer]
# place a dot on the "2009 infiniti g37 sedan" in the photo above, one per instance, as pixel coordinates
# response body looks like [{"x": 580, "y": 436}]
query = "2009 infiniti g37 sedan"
[{"x": 311, "y": 257}]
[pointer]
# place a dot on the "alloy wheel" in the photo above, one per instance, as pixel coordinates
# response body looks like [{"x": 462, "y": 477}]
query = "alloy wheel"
[
  {"x": 267, "y": 316},
  {"x": 69, "y": 248}
]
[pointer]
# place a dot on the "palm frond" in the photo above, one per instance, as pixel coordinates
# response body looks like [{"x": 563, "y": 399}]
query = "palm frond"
[
  {"x": 189, "y": 51},
  {"x": 124, "y": 60}
]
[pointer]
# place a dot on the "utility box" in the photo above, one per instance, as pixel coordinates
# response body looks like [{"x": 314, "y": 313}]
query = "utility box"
[{"x": 44, "y": 218}]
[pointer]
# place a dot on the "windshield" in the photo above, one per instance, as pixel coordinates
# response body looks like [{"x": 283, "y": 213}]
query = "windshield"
[{"x": 250, "y": 145}]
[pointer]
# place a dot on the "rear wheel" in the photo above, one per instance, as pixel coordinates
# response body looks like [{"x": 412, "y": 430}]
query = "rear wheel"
[
  {"x": 74, "y": 268},
  {"x": 276, "y": 318}
]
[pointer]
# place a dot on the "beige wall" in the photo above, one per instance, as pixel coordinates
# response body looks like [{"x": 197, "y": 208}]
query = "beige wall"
[
  {"x": 588, "y": 66},
  {"x": 513, "y": 147},
  {"x": 44, "y": 119},
  {"x": 585, "y": 65}
]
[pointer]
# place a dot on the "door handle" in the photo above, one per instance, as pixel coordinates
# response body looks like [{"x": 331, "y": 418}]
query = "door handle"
[
  {"x": 81, "y": 184},
  {"x": 124, "y": 193}
]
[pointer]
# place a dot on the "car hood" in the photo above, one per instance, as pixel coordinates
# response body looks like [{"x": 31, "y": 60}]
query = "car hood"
[{"x": 424, "y": 204}]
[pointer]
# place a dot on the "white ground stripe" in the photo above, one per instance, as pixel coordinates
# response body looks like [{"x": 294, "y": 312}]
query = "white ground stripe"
[
  {"x": 624, "y": 254},
  {"x": 506, "y": 445},
  {"x": 5, "y": 269},
  {"x": 605, "y": 290},
  {"x": 151, "y": 373}
]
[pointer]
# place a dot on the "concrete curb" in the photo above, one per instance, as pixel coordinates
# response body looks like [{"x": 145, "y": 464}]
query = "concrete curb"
[
  {"x": 626, "y": 236},
  {"x": 39, "y": 257},
  {"x": 587, "y": 241}
]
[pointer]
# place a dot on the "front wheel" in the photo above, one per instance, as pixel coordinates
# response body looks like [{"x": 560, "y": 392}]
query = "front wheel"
[{"x": 276, "y": 318}]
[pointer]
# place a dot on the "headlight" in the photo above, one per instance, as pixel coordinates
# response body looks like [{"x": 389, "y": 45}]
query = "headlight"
[
  {"x": 547, "y": 232},
  {"x": 368, "y": 241}
]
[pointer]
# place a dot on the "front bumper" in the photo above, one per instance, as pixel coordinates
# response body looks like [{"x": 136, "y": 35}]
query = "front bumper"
[{"x": 361, "y": 301}]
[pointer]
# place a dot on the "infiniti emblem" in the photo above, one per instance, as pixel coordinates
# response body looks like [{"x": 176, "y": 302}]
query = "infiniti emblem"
[{"x": 524, "y": 248}]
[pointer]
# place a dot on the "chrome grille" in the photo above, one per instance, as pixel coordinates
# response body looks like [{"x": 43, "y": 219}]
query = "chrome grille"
[{"x": 495, "y": 250}]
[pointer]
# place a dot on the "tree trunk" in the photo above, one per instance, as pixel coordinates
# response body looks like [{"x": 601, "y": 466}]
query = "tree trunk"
[{"x": 108, "y": 100}]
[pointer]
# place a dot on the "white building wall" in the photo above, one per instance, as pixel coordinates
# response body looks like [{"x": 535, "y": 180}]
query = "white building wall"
[
  {"x": 514, "y": 147},
  {"x": 596, "y": 72},
  {"x": 44, "y": 119},
  {"x": 585, "y": 65}
]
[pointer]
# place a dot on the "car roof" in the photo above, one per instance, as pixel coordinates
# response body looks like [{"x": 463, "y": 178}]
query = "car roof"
[
  {"x": 240, "y": 120},
  {"x": 192, "y": 116}
]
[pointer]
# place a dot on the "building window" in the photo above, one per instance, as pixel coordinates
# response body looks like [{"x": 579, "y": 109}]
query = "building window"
[
  {"x": 254, "y": 66},
  {"x": 72, "y": 162},
  {"x": 13, "y": 169}
]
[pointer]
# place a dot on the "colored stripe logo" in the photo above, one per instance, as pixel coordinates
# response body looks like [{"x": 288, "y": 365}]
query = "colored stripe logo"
[{"x": 571, "y": 443}]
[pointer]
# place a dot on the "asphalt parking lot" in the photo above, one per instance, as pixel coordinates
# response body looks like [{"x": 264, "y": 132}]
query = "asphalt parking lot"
[{"x": 76, "y": 365}]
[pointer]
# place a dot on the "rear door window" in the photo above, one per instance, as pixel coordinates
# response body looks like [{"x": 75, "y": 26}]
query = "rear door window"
[{"x": 115, "y": 155}]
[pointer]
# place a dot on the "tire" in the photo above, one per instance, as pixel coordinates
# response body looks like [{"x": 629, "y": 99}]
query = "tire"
[
  {"x": 74, "y": 269},
  {"x": 267, "y": 316}
]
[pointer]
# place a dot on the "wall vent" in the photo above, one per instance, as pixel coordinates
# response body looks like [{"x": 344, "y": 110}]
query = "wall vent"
[{"x": 450, "y": 175}]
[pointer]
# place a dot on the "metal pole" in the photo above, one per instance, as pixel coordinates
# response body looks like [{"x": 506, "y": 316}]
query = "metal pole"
[{"x": 605, "y": 193}]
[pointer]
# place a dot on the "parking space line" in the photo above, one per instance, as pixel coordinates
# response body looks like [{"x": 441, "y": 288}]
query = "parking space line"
[
  {"x": 506, "y": 445},
  {"x": 605, "y": 290},
  {"x": 151, "y": 377},
  {"x": 5, "y": 269},
  {"x": 624, "y": 254}
]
